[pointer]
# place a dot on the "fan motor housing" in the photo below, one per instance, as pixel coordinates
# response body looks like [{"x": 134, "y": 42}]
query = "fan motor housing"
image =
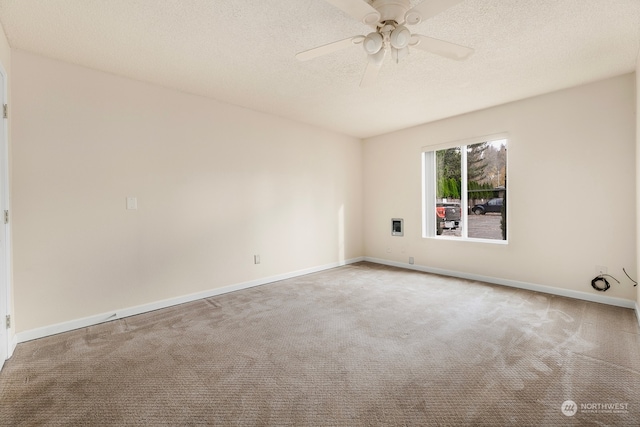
[{"x": 391, "y": 10}]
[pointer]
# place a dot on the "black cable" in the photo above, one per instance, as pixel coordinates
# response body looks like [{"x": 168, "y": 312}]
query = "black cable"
[
  {"x": 611, "y": 277},
  {"x": 598, "y": 279},
  {"x": 601, "y": 278},
  {"x": 634, "y": 282}
]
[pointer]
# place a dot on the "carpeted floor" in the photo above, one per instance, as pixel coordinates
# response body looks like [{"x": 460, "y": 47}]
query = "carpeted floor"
[{"x": 361, "y": 345}]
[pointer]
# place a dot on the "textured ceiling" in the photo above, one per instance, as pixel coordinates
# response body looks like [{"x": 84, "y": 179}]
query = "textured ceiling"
[{"x": 243, "y": 52}]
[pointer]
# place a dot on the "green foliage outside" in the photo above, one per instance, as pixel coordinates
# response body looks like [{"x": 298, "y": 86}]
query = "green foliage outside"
[
  {"x": 480, "y": 191},
  {"x": 450, "y": 188},
  {"x": 449, "y": 172},
  {"x": 486, "y": 170},
  {"x": 476, "y": 162}
]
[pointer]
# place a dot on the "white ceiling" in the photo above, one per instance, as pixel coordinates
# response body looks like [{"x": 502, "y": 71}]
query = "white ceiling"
[{"x": 242, "y": 52}]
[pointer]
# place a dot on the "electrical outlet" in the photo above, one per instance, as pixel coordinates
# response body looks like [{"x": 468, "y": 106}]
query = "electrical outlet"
[
  {"x": 601, "y": 269},
  {"x": 389, "y": 249},
  {"x": 256, "y": 259},
  {"x": 410, "y": 260}
]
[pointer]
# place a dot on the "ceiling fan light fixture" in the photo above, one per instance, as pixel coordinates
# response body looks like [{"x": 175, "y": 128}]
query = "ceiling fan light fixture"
[
  {"x": 373, "y": 43},
  {"x": 389, "y": 20},
  {"x": 400, "y": 37}
]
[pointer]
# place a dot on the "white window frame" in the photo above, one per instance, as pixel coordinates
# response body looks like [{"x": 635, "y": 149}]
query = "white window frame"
[{"x": 429, "y": 188}]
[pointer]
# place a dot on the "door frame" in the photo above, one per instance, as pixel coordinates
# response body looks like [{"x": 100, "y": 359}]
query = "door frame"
[{"x": 5, "y": 276}]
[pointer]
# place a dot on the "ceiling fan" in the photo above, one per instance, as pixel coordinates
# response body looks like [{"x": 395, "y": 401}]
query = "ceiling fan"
[{"x": 389, "y": 18}]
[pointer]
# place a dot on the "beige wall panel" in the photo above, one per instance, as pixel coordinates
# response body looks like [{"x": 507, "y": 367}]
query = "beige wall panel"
[
  {"x": 215, "y": 185},
  {"x": 571, "y": 175}
]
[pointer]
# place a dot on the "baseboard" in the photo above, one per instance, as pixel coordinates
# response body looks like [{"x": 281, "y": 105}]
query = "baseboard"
[
  {"x": 603, "y": 299},
  {"x": 58, "y": 328}
]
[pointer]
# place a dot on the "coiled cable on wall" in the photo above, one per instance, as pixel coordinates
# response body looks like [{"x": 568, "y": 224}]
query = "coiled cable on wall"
[{"x": 601, "y": 278}]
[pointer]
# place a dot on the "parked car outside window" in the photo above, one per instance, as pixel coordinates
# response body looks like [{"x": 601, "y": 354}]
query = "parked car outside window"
[
  {"x": 447, "y": 216},
  {"x": 493, "y": 205}
]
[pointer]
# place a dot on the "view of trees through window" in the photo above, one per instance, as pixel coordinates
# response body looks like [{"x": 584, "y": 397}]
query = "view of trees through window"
[{"x": 471, "y": 183}]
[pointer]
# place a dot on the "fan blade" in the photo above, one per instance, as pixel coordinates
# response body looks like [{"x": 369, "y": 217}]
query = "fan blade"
[
  {"x": 440, "y": 47},
  {"x": 373, "y": 68},
  {"x": 358, "y": 9},
  {"x": 427, "y": 9},
  {"x": 328, "y": 48}
]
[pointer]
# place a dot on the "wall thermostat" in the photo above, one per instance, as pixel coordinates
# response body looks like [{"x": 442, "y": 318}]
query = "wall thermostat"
[{"x": 397, "y": 227}]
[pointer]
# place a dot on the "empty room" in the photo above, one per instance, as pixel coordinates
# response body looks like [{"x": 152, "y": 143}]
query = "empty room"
[{"x": 319, "y": 212}]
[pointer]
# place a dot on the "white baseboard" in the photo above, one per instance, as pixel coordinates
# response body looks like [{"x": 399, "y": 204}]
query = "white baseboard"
[
  {"x": 58, "y": 328},
  {"x": 603, "y": 299}
]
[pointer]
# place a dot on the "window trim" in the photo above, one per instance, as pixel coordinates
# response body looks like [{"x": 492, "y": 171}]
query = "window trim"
[{"x": 429, "y": 187}]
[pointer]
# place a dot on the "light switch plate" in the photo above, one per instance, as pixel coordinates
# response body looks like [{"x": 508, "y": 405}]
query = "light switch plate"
[{"x": 132, "y": 203}]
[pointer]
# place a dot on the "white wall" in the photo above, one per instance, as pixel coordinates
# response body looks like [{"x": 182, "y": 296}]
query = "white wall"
[
  {"x": 571, "y": 169},
  {"x": 215, "y": 184}
]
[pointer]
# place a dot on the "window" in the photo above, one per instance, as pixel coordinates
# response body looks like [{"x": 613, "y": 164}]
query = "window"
[{"x": 465, "y": 190}]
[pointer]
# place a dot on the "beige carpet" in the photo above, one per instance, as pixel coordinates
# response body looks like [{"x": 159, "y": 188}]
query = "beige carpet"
[{"x": 353, "y": 346}]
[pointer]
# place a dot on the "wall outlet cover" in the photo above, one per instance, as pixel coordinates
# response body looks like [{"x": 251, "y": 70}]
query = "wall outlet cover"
[{"x": 132, "y": 203}]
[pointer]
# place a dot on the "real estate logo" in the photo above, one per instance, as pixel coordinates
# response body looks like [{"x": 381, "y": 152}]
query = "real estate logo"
[{"x": 569, "y": 408}]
